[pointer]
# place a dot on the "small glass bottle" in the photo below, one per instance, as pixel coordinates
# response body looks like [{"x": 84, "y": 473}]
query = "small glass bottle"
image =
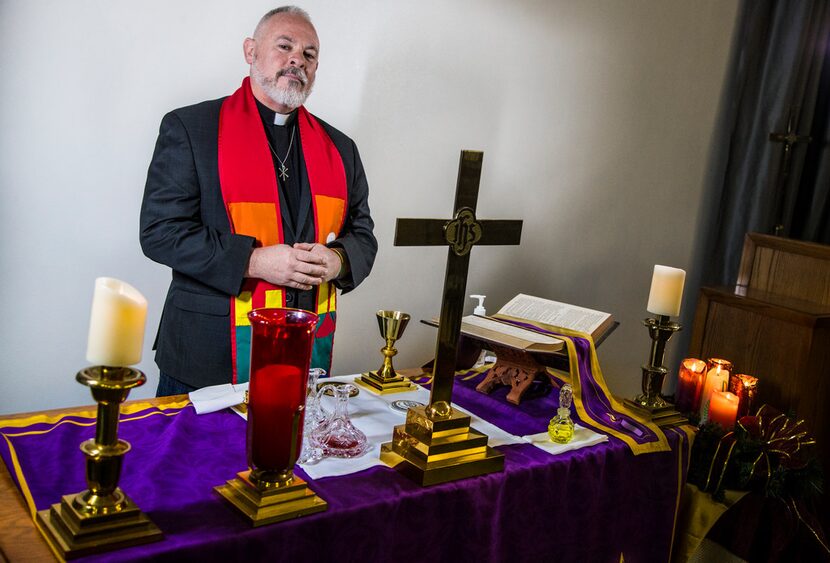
[{"x": 561, "y": 427}]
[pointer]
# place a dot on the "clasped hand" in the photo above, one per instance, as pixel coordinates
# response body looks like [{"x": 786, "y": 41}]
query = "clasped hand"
[{"x": 301, "y": 266}]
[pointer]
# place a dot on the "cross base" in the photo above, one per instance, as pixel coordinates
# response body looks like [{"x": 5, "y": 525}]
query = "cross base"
[
  {"x": 292, "y": 500},
  {"x": 437, "y": 451}
]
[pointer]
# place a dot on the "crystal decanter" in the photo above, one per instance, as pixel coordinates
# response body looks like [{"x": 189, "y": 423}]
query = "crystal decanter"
[{"x": 337, "y": 436}]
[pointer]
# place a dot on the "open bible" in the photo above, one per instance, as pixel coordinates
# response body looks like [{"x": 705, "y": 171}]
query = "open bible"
[
  {"x": 495, "y": 330},
  {"x": 523, "y": 353}
]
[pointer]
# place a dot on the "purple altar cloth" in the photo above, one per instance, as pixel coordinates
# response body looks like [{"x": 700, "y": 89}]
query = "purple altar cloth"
[{"x": 594, "y": 504}]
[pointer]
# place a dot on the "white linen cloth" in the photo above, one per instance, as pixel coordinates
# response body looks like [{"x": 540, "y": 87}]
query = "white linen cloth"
[
  {"x": 375, "y": 417},
  {"x": 583, "y": 437},
  {"x": 217, "y": 397}
]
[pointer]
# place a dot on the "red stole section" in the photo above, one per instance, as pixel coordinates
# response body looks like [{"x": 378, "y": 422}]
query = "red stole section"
[
  {"x": 246, "y": 171},
  {"x": 250, "y": 191}
]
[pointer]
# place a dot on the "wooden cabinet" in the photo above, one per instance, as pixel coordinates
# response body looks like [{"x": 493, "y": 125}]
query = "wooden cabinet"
[{"x": 776, "y": 326}]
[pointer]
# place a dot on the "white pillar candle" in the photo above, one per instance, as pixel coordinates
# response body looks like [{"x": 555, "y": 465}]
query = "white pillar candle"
[
  {"x": 717, "y": 379},
  {"x": 116, "y": 325},
  {"x": 666, "y": 291}
]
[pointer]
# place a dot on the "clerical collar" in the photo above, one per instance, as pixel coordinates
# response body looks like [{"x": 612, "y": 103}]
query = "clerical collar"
[{"x": 270, "y": 117}]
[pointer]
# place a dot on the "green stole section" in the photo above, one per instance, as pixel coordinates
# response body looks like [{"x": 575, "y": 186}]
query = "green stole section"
[
  {"x": 323, "y": 345},
  {"x": 243, "y": 360}
]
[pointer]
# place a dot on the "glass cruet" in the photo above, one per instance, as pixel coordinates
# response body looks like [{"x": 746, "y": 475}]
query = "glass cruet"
[{"x": 337, "y": 436}]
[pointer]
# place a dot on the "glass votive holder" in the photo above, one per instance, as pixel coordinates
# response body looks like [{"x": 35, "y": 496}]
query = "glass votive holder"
[
  {"x": 717, "y": 379},
  {"x": 690, "y": 380},
  {"x": 745, "y": 387}
]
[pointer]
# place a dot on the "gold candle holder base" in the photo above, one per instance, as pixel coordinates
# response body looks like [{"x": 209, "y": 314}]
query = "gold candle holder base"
[
  {"x": 269, "y": 504},
  {"x": 441, "y": 449},
  {"x": 663, "y": 416},
  {"x": 76, "y": 533},
  {"x": 101, "y": 518},
  {"x": 376, "y": 384}
]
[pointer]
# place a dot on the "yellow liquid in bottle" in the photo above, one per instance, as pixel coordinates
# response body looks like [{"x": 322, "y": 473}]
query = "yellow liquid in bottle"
[{"x": 561, "y": 429}]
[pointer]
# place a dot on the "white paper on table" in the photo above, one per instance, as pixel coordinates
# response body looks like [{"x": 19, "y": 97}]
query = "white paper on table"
[
  {"x": 583, "y": 437},
  {"x": 217, "y": 397}
]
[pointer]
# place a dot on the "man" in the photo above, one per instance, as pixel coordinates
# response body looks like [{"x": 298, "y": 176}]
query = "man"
[{"x": 253, "y": 202}]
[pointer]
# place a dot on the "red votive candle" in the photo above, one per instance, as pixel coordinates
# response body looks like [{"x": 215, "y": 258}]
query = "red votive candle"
[
  {"x": 281, "y": 341},
  {"x": 690, "y": 384},
  {"x": 272, "y": 404},
  {"x": 745, "y": 387},
  {"x": 723, "y": 409}
]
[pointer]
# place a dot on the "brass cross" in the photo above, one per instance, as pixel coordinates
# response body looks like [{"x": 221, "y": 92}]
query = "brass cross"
[
  {"x": 460, "y": 233},
  {"x": 790, "y": 138}
]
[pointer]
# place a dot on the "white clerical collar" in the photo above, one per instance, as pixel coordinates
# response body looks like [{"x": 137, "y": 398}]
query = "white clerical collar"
[{"x": 282, "y": 118}]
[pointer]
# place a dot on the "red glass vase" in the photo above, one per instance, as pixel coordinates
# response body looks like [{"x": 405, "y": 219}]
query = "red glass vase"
[{"x": 281, "y": 341}]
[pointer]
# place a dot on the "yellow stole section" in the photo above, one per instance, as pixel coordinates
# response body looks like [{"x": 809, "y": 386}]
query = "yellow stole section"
[{"x": 326, "y": 299}]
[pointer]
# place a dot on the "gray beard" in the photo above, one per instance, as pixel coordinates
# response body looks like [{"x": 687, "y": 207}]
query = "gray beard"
[{"x": 292, "y": 97}]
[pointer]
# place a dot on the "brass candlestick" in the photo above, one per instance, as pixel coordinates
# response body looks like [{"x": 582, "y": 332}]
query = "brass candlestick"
[
  {"x": 102, "y": 517},
  {"x": 650, "y": 404},
  {"x": 385, "y": 380},
  {"x": 660, "y": 329}
]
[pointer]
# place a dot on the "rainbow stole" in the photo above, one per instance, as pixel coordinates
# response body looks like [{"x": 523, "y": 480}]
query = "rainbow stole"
[
  {"x": 594, "y": 403},
  {"x": 249, "y": 189}
]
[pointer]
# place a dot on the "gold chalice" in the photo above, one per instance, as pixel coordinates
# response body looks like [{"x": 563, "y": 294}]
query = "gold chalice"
[
  {"x": 392, "y": 325},
  {"x": 385, "y": 380}
]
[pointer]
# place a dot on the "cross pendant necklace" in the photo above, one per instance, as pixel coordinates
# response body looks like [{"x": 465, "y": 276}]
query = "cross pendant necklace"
[{"x": 283, "y": 170}]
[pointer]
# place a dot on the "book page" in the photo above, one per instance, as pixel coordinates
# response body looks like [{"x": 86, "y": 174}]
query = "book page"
[
  {"x": 509, "y": 330},
  {"x": 554, "y": 313}
]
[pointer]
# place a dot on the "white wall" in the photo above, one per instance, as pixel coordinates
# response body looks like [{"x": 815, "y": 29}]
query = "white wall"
[{"x": 595, "y": 118}]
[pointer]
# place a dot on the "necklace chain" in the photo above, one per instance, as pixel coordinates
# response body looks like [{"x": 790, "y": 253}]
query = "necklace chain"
[{"x": 283, "y": 171}]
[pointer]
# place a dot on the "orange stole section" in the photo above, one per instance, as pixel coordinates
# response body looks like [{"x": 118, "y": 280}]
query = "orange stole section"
[
  {"x": 259, "y": 220},
  {"x": 330, "y": 214}
]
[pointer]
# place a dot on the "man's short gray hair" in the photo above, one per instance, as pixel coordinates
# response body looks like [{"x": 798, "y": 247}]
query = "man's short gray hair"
[{"x": 293, "y": 10}]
